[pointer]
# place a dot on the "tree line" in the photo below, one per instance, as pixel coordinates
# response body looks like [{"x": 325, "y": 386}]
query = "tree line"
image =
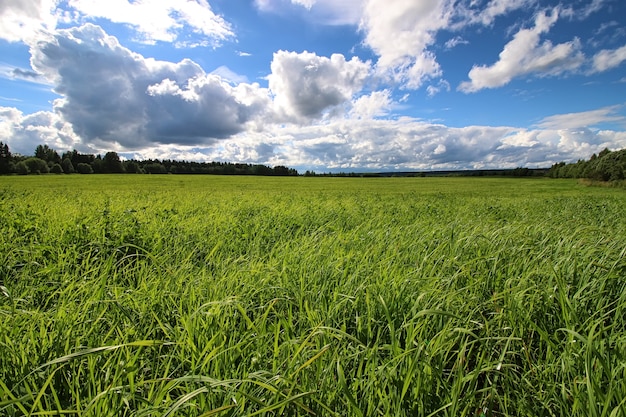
[
  {"x": 47, "y": 160},
  {"x": 605, "y": 166}
]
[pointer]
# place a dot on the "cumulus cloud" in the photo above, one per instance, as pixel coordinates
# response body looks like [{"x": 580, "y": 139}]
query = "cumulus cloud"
[
  {"x": 153, "y": 20},
  {"x": 156, "y": 20},
  {"x": 115, "y": 99},
  {"x": 403, "y": 35},
  {"x": 22, "y": 20},
  {"x": 132, "y": 100},
  {"x": 583, "y": 119},
  {"x": 306, "y": 85},
  {"x": 343, "y": 144},
  {"x": 608, "y": 59},
  {"x": 400, "y": 32},
  {"x": 410, "y": 144},
  {"x": 24, "y": 132},
  {"x": 526, "y": 55},
  {"x": 372, "y": 105}
]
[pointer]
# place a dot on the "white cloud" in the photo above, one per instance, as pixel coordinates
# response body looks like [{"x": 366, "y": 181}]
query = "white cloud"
[
  {"x": 369, "y": 106},
  {"x": 403, "y": 33},
  {"x": 583, "y": 119},
  {"x": 333, "y": 12},
  {"x": 410, "y": 144},
  {"x": 329, "y": 12},
  {"x": 305, "y": 85},
  {"x": 453, "y": 42},
  {"x": 342, "y": 144},
  {"x": 400, "y": 32},
  {"x": 525, "y": 55},
  {"x": 157, "y": 20},
  {"x": 608, "y": 59},
  {"x": 24, "y": 132},
  {"x": 154, "y": 20},
  {"x": 229, "y": 75},
  {"x": 592, "y": 7},
  {"x": 433, "y": 90},
  {"x": 494, "y": 8},
  {"x": 22, "y": 20},
  {"x": 306, "y": 3},
  {"x": 135, "y": 101},
  {"x": 162, "y": 109}
]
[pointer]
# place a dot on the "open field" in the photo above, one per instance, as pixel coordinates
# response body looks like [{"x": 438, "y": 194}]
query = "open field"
[{"x": 240, "y": 296}]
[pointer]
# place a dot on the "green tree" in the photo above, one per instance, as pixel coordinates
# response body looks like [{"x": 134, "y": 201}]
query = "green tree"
[
  {"x": 604, "y": 152},
  {"x": 155, "y": 168},
  {"x": 112, "y": 163},
  {"x": 5, "y": 159},
  {"x": 83, "y": 168},
  {"x": 44, "y": 152},
  {"x": 132, "y": 167},
  {"x": 21, "y": 168},
  {"x": 37, "y": 165},
  {"x": 56, "y": 169},
  {"x": 78, "y": 158},
  {"x": 67, "y": 166}
]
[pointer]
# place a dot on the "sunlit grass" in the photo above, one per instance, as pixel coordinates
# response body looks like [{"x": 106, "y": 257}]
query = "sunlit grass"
[{"x": 239, "y": 296}]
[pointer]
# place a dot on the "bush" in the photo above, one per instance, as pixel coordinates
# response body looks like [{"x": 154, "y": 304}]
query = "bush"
[
  {"x": 21, "y": 168},
  {"x": 67, "y": 166},
  {"x": 37, "y": 166},
  {"x": 83, "y": 168},
  {"x": 56, "y": 169}
]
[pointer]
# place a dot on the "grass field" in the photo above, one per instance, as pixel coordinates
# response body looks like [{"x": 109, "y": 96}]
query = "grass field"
[{"x": 247, "y": 296}]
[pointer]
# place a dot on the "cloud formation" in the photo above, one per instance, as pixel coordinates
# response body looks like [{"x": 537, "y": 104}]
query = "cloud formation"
[
  {"x": 153, "y": 20},
  {"x": 347, "y": 144},
  {"x": 608, "y": 59},
  {"x": 22, "y": 20},
  {"x": 306, "y": 85},
  {"x": 132, "y": 100},
  {"x": 473, "y": 13},
  {"x": 583, "y": 119},
  {"x": 25, "y": 132},
  {"x": 524, "y": 55},
  {"x": 156, "y": 20},
  {"x": 329, "y": 12},
  {"x": 409, "y": 144},
  {"x": 400, "y": 32},
  {"x": 325, "y": 112}
]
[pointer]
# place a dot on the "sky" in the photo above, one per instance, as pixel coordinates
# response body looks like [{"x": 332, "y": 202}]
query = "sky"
[{"x": 321, "y": 85}]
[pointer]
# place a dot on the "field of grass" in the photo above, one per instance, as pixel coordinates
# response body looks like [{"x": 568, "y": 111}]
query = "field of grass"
[{"x": 248, "y": 296}]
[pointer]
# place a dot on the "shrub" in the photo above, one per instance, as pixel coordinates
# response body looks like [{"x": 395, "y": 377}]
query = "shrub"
[
  {"x": 21, "y": 168},
  {"x": 56, "y": 169},
  {"x": 67, "y": 166},
  {"x": 37, "y": 166},
  {"x": 83, "y": 168}
]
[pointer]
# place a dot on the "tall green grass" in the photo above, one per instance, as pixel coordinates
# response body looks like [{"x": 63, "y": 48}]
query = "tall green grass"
[{"x": 247, "y": 296}]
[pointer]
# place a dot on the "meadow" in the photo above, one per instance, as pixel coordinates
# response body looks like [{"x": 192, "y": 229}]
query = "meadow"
[{"x": 260, "y": 296}]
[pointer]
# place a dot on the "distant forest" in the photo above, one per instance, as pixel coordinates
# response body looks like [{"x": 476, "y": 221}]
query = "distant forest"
[
  {"x": 47, "y": 160},
  {"x": 607, "y": 166}
]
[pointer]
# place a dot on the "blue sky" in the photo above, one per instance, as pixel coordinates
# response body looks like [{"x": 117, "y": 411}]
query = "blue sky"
[{"x": 325, "y": 85}]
